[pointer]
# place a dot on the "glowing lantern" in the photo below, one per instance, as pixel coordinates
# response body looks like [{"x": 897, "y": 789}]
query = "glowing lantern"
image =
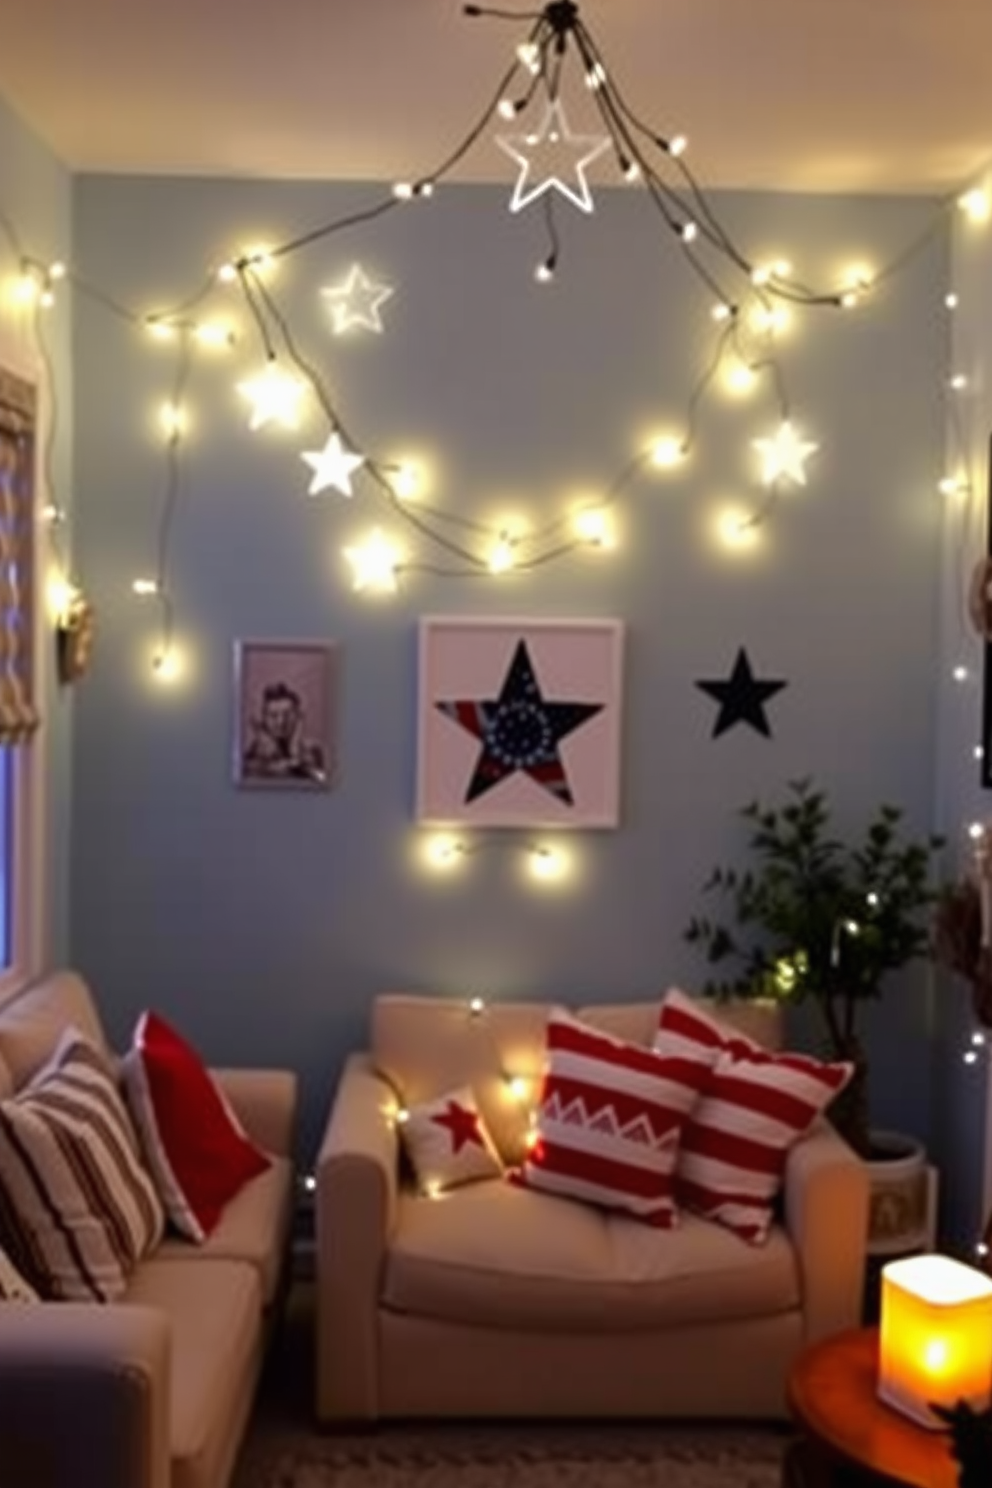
[{"x": 936, "y": 1336}]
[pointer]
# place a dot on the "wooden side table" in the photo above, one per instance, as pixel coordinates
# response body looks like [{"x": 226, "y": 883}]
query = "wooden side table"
[{"x": 850, "y": 1436}]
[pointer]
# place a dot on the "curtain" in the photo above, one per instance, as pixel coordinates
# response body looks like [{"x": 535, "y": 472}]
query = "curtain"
[{"x": 18, "y": 713}]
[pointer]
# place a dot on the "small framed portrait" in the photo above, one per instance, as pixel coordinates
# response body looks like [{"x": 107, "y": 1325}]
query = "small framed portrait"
[
  {"x": 285, "y": 714},
  {"x": 519, "y": 722}
]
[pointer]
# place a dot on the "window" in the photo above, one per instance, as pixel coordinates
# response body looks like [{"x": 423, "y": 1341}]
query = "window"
[{"x": 18, "y": 714}]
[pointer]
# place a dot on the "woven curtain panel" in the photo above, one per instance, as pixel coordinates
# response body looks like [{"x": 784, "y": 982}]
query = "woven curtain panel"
[{"x": 18, "y": 713}]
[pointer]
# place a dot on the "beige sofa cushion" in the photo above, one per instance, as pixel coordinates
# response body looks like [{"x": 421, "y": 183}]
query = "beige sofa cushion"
[
  {"x": 32, "y": 1023},
  {"x": 253, "y": 1228},
  {"x": 213, "y": 1311},
  {"x": 427, "y": 1046},
  {"x": 493, "y": 1255}
]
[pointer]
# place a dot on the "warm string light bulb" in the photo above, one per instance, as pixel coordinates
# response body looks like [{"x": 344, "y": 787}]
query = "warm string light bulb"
[
  {"x": 667, "y": 452},
  {"x": 375, "y": 564},
  {"x": 976, "y": 204},
  {"x": 502, "y": 555},
  {"x": 166, "y": 665},
  {"x": 593, "y": 526}
]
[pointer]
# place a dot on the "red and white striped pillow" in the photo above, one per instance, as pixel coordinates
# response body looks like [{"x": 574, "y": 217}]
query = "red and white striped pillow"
[
  {"x": 608, "y": 1122},
  {"x": 754, "y": 1106}
]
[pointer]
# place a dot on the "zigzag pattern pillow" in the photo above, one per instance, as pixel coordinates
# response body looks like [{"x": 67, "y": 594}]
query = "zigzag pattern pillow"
[{"x": 608, "y": 1123}]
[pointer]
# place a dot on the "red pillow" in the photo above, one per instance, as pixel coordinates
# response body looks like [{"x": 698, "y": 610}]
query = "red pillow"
[
  {"x": 753, "y": 1109},
  {"x": 754, "y": 1106},
  {"x": 193, "y": 1144},
  {"x": 608, "y": 1123}
]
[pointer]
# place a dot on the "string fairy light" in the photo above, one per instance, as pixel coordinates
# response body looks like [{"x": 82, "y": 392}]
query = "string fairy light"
[
  {"x": 544, "y": 862},
  {"x": 751, "y": 301}
]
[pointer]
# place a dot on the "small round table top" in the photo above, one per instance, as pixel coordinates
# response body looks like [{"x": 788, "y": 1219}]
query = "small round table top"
[{"x": 833, "y": 1394}]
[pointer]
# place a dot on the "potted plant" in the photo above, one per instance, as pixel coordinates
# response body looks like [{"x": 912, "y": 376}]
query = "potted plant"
[{"x": 814, "y": 917}]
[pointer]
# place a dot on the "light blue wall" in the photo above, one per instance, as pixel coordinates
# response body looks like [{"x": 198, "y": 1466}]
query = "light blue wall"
[
  {"x": 36, "y": 220},
  {"x": 265, "y": 924}
]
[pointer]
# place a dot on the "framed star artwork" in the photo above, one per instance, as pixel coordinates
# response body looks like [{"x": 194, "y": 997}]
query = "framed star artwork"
[{"x": 519, "y": 722}]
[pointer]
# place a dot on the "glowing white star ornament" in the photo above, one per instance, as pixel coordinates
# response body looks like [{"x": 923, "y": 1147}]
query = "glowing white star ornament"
[
  {"x": 784, "y": 456},
  {"x": 332, "y": 466},
  {"x": 374, "y": 564},
  {"x": 553, "y": 159},
  {"x": 356, "y": 302},
  {"x": 275, "y": 398}
]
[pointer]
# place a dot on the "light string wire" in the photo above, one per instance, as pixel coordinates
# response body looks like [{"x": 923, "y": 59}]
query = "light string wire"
[
  {"x": 554, "y": 33},
  {"x": 171, "y": 496}
]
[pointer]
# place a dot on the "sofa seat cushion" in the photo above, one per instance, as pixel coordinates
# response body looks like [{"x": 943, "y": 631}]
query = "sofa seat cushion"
[
  {"x": 214, "y": 1311},
  {"x": 492, "y": 1255},
  {"x": 254, "y": 1228}
]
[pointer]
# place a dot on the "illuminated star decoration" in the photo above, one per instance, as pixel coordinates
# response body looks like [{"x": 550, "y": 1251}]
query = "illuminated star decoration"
[
  {"x": 741, "y": 697},
  {"x": 275, "y": 398},
  {"x": 784, "y": 456},
  {"x": 519, "y": 731},
  {"x": 332, "y": 466},
  {"x": 356, "y": 302},
  {"x": 553, "y": 159},
  {"x": 462, "y": 1124}
]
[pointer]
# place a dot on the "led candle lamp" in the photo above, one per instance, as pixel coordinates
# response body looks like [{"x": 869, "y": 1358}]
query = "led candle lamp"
[{"x": 936, "y": 1336}]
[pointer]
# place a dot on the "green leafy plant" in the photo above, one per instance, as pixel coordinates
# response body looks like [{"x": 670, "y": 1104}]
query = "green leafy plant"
[{"x": 815, "y": 917}]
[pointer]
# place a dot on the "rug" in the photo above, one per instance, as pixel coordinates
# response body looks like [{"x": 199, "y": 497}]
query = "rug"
[{"x": 525, "y": 1457}]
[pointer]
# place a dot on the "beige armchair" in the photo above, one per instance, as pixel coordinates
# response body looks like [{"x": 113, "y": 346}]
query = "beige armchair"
[{"x": 498, "y": 1301}]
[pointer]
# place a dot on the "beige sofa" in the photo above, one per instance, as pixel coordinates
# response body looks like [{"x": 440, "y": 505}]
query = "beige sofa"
[
  {"x": 493, "y": 1300},
  {"x": 154, "y": 1391}
]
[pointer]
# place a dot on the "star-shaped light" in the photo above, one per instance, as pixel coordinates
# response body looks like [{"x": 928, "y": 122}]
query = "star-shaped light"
[
  {"x": 374, "y": 565},
  {"x": 332, "y": 466},
  {"x": 784, "y": 456},
  {"x": 356, "y": 302},
  {"x": 553, "y": 159},
  {"x": 519, "y": 731},
  {"x": 274, "y": 396},
  {"x": 742, "y": 698},
  {"x": 462, "y": 1125}
]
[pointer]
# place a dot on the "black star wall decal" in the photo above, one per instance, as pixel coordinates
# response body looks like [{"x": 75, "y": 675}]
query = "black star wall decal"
[
  {"x": 742, "y": 698},
  {"x": 519, "y": 730}
]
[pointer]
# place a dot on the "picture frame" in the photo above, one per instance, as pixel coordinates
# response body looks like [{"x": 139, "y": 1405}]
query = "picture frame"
[
  {"x": 285, "y": 715},
  {"x": 519, "y": 722}
]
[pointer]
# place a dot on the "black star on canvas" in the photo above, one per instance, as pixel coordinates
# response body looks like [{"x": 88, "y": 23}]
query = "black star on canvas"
[
  {"x": 742, "y": 698},
  {"x": 519, "y": 730}
]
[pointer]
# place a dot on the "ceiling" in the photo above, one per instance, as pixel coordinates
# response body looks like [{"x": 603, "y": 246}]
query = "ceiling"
[{"x": 846, "y": 95}]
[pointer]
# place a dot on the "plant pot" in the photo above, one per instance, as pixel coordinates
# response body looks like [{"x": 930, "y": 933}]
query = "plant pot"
[{"x": 899, "y": 1202}]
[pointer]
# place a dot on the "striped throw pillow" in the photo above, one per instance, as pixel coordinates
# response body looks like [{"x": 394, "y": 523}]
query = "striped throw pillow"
[
  {"x": 13, "y": 1287},
  {"x": 76, "y": 1206},
  {"x": 607, "y": 1126},
  {"x": 754, "y": 1106}
]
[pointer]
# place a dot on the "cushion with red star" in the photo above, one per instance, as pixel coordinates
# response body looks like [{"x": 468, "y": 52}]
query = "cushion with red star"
[{"x": 447, "y": 1142}]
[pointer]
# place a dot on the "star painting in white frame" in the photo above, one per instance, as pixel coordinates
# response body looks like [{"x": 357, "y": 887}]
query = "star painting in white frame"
[
  {"x": 332, "y": 466},
  {"x": 553, "y": 159},
  {"x": 274, "y": 396},
  {"x": 355, "y": 303},
  {"x": 784, "y": 455}
]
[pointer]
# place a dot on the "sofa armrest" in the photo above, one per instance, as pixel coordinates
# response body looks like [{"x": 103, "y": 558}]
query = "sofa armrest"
[
  {"x": 826, "y": 1215},
  {"x": 357, "y": 1180},
  {"x": 84, "y": 1395},
  {"x": 265, "y": 1102}
]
